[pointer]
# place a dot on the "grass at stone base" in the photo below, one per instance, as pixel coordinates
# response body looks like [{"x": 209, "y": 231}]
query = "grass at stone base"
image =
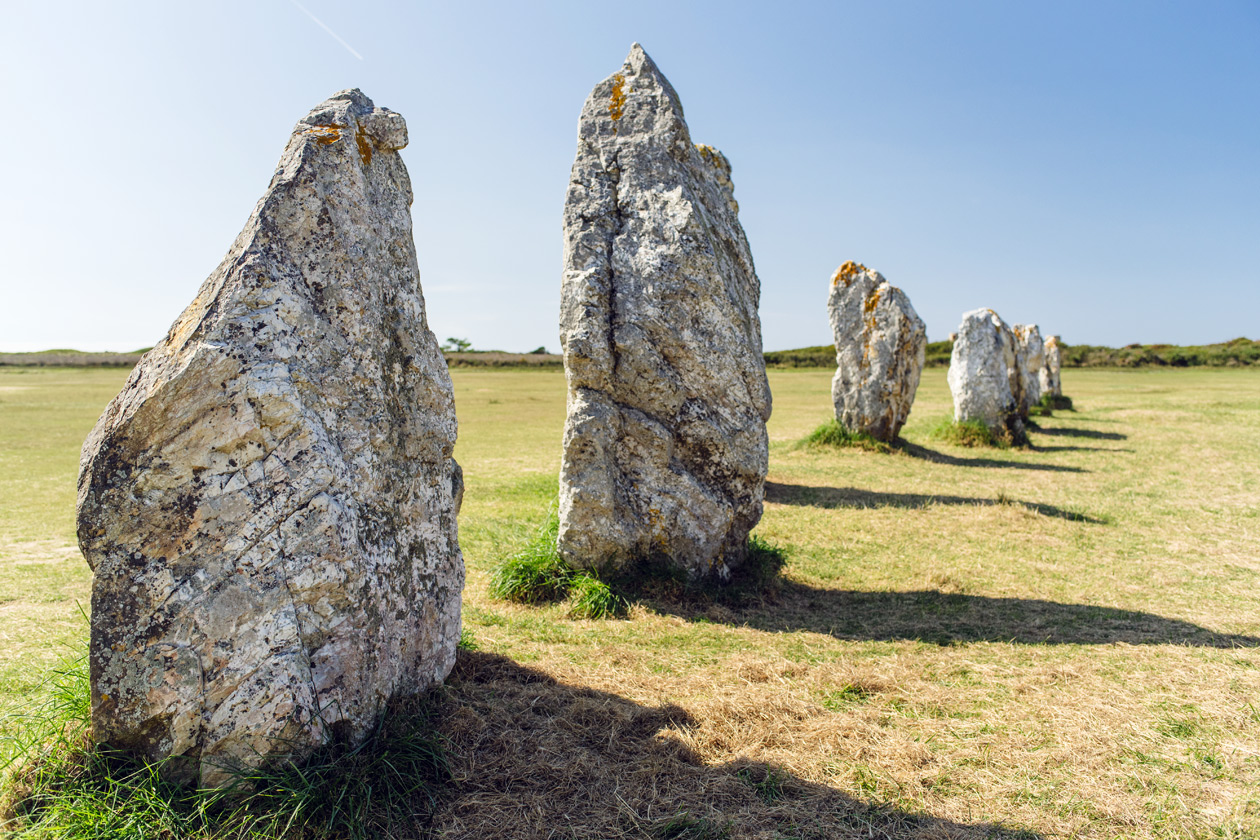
[
  {"x": 968, "y": 433},
  {"x": 59, "y": 785},
  {"x": 833, "y": 434},
  {"x": 536, "y": 574},
  {"x": 1044, "y": 642}
]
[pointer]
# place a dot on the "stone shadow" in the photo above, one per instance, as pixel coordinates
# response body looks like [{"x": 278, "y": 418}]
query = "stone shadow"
[
  {"x": 534, "y": 757},
  {"x": 947, "y": 618},
  {"x": 1063, "y": 431},
  {"x": 1037, "y": 448},
  {"x": 852, "y": 497},
  {"x": 914, "y": 450}
]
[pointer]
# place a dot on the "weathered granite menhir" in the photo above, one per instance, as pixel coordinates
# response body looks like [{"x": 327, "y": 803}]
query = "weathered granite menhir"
[
  {"x": 665, "y": 447},
  {"x": 1030, "y": 352},
  {"x": 269, "y": 506},
  {"x": 880, "y": 342},
  {"x": 984, "y": 375},
  {"x": 1049, "y": 373}
]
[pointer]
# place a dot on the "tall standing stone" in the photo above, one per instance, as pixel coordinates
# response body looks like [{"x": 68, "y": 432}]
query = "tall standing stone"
[
  {"x": 1049, "y": 373},
  {"x": 1031, "y": 355},
  {"x": 665, "y": 447},
  {"x": 269, "y": 506},
  {"x": 880, "y": 342},
  {"x": 984, "y": 373}
]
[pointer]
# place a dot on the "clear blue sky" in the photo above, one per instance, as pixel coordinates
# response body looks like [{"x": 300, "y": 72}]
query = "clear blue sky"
[{"x": 1090, "y": 166}]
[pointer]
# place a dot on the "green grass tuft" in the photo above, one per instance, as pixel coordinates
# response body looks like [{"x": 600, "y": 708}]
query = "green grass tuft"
[
  {"x": 590, "y": 597},
  {"x": 687, "y": 827},
  {"x": 769, "y": 783},
  {"x": 832, "y": 434},
  {"x": 535, "y": 574},
  {"x": 971, "y": 433},
  {"x": 57, "y": 783}
]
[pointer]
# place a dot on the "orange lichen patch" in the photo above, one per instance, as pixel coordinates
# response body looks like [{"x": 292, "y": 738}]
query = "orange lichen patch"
[
  {"x": 326, "y": 134},
  {"x": 365, "y": 145},
  {"x": 711, "y": 155},
  {"x": 617, "y": 104},
  {"x": 847, "y": 272},
  {"x": 872, "y": 300}
]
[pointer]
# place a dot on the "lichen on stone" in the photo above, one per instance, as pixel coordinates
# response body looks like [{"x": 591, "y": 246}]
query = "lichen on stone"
[{"x": 880, "y": 347}]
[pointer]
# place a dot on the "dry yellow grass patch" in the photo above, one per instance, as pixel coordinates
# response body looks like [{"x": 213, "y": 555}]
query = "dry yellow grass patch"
[{"x": 1062, "y": 641}]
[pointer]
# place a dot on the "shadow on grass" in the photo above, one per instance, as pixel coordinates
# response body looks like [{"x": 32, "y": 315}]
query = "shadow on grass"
[
  {"x": 1036, "y": 448},
  {"x": 1063, "y": 431},
  {"x": 852, "y": 497},
  {"x": 534, "y": 757},
  {"x": 951, "y": 618},
  {"x": 914, "y": 450}
]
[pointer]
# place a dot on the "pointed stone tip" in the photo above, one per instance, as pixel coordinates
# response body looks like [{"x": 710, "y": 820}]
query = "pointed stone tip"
[
  {"x": 637, "y": 59},
  {"x": 639, "y": 64}
]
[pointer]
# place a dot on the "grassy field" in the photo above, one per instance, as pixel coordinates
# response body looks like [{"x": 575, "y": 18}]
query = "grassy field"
[{"x": 1062, "y": 641}]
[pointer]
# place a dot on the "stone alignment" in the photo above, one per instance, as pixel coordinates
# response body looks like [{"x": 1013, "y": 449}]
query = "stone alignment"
[
  {"x": 984, "y": 373},
  {"x": 1031, "y": 355},
  {"x": 269, "y": 505},
  {"x": 880, "y": 343},
  {"x": 1049, "y": 373},
  {"x": 665, "y": 447}
]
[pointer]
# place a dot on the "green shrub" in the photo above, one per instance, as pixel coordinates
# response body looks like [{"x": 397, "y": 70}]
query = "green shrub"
[{"x": 822, "y": 356}]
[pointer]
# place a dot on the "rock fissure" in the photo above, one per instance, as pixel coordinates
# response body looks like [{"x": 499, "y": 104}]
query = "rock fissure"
[{"x": 665, "y": 450}]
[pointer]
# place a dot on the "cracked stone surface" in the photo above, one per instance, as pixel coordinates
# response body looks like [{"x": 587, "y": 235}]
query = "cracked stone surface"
[
  {"x": 269, "y": 505},
  {"x": 880, "y": 342},
  {"x": 1049, "y": 373},
  {"x": 665, "y": 447},
  {"x": 1031, "y": 358},
  {"x": 984, "y": 374}
]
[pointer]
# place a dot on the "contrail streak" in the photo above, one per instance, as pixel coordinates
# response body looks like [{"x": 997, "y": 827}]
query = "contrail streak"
[{"x": 324, "y": 27}]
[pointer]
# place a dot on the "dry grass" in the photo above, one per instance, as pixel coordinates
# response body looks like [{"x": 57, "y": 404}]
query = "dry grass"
[{"x": 1062, "y": 641}]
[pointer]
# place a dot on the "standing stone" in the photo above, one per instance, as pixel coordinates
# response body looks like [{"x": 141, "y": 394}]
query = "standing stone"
[
  {"x": 1031, "y": 355},
  {"x": 665, "y": 447},
  {"x": 1049, "y": 373},
  {"x": 980, "y": 375},
  {"x": 269, "y": 505},
  {"x": 880, "y": 343}
]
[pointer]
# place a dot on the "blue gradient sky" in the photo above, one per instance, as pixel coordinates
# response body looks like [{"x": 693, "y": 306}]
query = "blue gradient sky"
[{"x": 1090, "y": 166}]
